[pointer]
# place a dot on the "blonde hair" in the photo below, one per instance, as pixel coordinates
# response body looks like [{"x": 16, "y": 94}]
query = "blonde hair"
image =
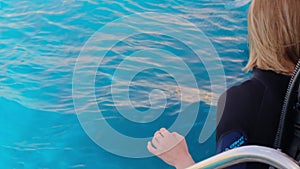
[{"x": 274, "y": 35}]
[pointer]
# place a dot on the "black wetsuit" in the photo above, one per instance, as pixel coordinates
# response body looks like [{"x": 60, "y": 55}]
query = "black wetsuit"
[{"x": 249, "y": 113}]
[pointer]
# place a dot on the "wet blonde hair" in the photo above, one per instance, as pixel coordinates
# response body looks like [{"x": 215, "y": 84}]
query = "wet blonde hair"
[{"x": 274, "y": 35}]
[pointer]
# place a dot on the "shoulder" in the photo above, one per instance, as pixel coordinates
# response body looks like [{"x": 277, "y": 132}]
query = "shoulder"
[
  {"x": 242, "y": 96},
  {"x": 246, "y": 90},
  {"x": 238, "y": 105}
]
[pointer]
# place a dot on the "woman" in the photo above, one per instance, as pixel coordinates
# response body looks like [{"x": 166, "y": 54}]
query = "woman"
[{"x": 249, "y": 113}]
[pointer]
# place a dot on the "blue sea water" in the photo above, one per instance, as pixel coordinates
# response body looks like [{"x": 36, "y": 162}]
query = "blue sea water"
[{"x": 39, "y": 44}]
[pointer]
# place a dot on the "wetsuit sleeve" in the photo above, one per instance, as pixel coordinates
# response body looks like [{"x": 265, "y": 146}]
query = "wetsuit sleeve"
[
  {"x": 233, "y": 109},
  {"x": 229, "y": 133},
  {"x": 234, "y": 116}
]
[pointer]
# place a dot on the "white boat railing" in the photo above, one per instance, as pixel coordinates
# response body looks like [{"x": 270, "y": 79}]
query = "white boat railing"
[{"x": 243, "y": 154}]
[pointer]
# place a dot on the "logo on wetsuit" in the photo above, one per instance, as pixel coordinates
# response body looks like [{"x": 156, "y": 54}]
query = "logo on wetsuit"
[
  {"x": 231, "y": 140},
  {"x": 238, "y": 143}
]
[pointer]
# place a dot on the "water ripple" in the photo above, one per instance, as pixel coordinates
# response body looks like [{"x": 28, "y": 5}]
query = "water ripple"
[{"x": 41, "y": 40}]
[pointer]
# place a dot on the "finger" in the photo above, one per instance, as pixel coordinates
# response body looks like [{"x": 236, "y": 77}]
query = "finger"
[
  {"x": 153, "y": 150},
  {"x": 150, "y": 148},
  {"x": 164, "y": 132},
  {"x": 159, "y": 138},
  {"x": 156, "y": 133},
  {"x": 163, "y": 129},
  {"x": 155, "y": 142}
]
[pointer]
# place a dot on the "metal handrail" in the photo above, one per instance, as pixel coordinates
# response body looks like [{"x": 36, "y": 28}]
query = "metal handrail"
[{"x": 243, "y": 154}]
